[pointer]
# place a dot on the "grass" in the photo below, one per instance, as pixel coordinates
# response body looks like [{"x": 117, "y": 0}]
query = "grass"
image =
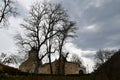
[{"x": 27, "y": 76}]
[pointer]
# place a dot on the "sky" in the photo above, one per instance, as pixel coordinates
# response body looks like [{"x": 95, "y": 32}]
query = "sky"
[{"x": 98, "y": 23}]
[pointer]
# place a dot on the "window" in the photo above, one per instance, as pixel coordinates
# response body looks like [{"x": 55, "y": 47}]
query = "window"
[{"x": 81, "y": 72}]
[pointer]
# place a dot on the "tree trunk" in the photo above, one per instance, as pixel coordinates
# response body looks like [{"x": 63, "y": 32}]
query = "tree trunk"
[
  {"x": 60, "y": 69},
  {"x": 50, "y": 63},
  {"x": 38, "y": 62},
  {"x": 61, "y": 65},
  {"x": 49, "y": 56}
]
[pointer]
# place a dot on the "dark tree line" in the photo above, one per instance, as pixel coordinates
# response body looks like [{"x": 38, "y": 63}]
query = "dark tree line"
[
  {"x": 102, "y": 56},
  {"x": 109, "y": 70},
  {"x": 46, "y": 29}
]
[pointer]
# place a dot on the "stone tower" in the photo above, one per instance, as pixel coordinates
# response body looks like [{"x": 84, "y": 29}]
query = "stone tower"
[{"x": 30, "y": 64}]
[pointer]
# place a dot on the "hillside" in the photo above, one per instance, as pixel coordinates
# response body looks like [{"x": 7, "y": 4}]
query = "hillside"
[{"x": 109, "y": 70}]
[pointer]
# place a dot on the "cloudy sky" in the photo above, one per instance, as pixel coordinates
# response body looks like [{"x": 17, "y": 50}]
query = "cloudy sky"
[{"x": 98, "y": 23}]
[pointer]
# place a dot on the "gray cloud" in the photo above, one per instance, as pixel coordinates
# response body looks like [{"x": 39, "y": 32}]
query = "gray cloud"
[
  {"x": 107, "y": 18},
  {"x": 21, "y": 10},
  {"x": 105, "y": 15}
]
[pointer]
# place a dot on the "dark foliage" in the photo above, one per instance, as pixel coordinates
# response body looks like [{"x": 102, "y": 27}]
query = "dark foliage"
[{"x": 110, "y": 70}]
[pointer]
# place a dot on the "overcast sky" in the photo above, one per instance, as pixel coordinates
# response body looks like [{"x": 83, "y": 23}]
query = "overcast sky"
[{"x": 98, "y": 22}]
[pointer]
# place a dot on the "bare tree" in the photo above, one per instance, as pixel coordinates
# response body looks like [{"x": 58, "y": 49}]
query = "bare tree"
[
  {"x": 76, "y": 59},
  {"x": 56, "y": 17},
  {"x": 102, "y": 56},
  {"x": 68, "y": 30},
  {"x": 2, "y": 55},
  {"x": 9, "y": 59},
  {"x": 43, "y": 25},
  {"x": 34, "y": 27},
  {"x": 7, "y": 9}
]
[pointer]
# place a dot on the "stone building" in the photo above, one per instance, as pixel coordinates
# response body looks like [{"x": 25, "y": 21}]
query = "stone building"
[
  {"x": 1, "y": 67},
  {"x": 30, "y": 64},
  {"x": 70, "y": 68},
  {"x": 67, "y": 67}
]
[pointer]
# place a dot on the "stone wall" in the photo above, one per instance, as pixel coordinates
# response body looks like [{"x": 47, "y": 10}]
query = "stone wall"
[
  {"x": 45, "y": 69},
  {"x": 30, "y": 64},
  {"x": 1, "y": 67},
  {"x": 70, "y": 68}
]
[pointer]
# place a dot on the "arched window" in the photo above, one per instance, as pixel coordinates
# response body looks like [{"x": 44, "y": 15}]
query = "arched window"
[{"x": 81, "y": 72}]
